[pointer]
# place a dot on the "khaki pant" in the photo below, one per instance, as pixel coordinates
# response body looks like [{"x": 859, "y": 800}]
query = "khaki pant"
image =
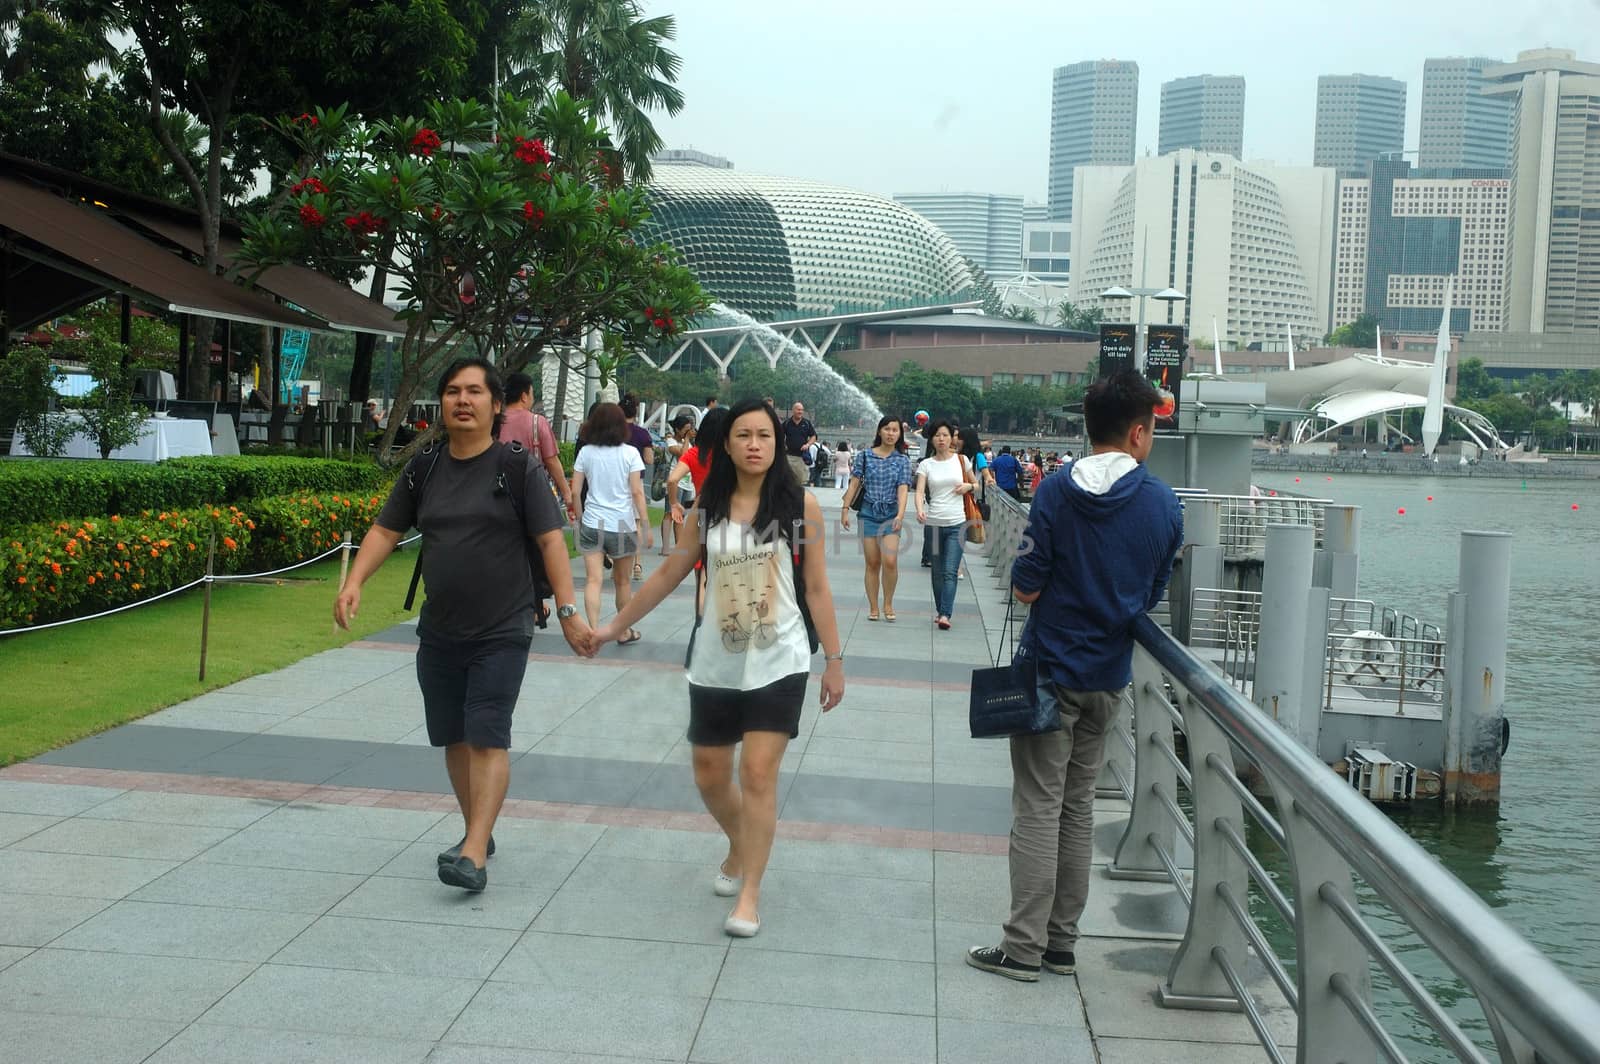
[
  {"x": 801, "y": 471},
  {"x": 1052, "y": 822}
]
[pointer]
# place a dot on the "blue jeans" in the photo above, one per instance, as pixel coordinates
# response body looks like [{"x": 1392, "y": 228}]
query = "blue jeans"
[{"x": 946, "y": 544}]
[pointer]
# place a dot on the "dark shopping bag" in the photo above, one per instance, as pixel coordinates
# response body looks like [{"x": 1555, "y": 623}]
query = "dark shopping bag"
[{"x": 1005, "y": 699}]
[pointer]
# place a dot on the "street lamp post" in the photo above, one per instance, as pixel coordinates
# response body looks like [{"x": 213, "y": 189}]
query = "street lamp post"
[{"x": 1166, "y": 295}]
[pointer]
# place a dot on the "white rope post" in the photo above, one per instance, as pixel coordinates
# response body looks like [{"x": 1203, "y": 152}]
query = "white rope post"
[
  {"x": 344, "y": 570},
  {"x": 205, "y": 610}
]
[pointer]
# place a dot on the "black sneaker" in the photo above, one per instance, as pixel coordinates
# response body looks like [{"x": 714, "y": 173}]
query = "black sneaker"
[
  {"x": 994, "y": 959},
  {"x": 464, "y": 874},
  {"x": 449, "y": 856},
  {"x": 1060, "y": 961}
]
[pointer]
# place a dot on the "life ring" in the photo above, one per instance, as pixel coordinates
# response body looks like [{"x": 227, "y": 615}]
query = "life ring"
[{"x": 1367, "y": 658}]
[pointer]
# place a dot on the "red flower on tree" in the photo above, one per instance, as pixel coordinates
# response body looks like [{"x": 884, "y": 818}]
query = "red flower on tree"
[
  {"x": 533, "y": 152},
  {"x": 311, "y": 218},
  {"x": 365, "y": 223},
  {"x": 307, "y": 117},
  {"x": 426, "y": 142},
  {"x": 310, "y": 184},
  {"x": 532, "y": 213}
]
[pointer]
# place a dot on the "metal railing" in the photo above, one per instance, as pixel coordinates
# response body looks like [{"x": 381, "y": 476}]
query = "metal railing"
[
  {"x": 1329, "y": 836},
  {"x": 1245, "y": 518}
]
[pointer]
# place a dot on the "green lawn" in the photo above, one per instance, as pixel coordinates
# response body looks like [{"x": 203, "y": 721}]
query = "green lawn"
[{"x": 66, "y": 683}]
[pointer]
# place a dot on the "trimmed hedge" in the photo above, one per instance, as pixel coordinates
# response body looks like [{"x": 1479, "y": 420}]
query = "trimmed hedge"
[
  {"x": 51, "y": 572},
  {"x": 34, "y": 491}
]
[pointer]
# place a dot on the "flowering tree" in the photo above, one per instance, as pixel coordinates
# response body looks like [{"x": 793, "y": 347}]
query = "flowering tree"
[{"x": 505, "y": 228}]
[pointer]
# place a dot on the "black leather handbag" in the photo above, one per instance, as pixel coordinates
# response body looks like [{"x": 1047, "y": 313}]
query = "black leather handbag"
[{"x": 1005, "y": 699}]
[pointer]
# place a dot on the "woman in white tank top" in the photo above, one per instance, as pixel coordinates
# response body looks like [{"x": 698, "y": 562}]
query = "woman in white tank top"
[{"x": 750, "y": 654}]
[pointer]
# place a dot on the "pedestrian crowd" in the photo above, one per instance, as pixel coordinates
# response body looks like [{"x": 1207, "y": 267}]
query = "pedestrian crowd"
[{"x": 493, "y": 505}]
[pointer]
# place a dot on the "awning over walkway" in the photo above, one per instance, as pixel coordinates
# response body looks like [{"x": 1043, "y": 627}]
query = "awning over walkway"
[{"x": 75, "y": 252}]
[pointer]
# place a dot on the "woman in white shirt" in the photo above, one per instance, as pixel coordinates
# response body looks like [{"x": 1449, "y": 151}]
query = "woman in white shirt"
[
  {"x": 842, "y": 457},
  {"x": 750, "y": 653},
  {"x": 612, "y": 516},
  {"x": 943, "y": 475}
]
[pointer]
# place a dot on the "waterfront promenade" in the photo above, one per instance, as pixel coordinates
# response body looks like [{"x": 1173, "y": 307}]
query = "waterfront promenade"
[{"x": 249, "y": 876}]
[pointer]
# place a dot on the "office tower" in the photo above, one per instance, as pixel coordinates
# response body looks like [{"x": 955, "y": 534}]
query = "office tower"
[
  {"x": 1205, "y": 112},
  {"x": 1351, "y": 221},
  {"x": 1461, "y": 126},
  {"x": 985, "y": 228},
  {"x": 1552, "y": 271},
  {"x": 1359, "y": 117},
  {"x": 1093, "y": 118}
]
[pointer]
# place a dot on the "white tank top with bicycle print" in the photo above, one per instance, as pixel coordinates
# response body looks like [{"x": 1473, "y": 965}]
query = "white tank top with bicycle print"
[{"x": 752, "y": 633}]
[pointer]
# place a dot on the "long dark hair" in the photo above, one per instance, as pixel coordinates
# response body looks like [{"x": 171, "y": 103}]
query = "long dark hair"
[
  {"x": 607, "y": 426},
  {"x": 969, "y": 443},
  {"x": 899, "y": 444},
  {"x": 713, "y": 425},
  {"x": 783, "y": 500}
]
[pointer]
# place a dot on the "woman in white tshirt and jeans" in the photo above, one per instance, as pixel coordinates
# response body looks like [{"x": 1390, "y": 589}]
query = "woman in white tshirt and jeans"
[
  {"x": 944, "y": 512},
  {"x": 612, "y": 516}
]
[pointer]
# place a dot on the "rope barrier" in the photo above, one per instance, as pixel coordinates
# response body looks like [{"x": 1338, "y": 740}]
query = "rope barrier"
[{"x": 196, "y": 583}]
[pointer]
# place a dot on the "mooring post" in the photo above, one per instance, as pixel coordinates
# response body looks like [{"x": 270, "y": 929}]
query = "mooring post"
[
  {"x": 1202, "y": 560},
  {"x": 1281, "y": 648},
  {"x": 1475, "y": 674},
  {"x": 1339, "y": 560}
]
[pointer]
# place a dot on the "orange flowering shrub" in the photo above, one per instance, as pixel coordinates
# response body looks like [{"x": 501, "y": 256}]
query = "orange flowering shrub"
[{"x": 295, "y": 527}]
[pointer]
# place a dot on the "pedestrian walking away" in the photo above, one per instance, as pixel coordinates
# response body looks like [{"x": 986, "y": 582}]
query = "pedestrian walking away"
[
  {"x": 477, "y": 621},
  {"x": 1104, "y": 532},
  {"x": 674, "y": 492},
  {"x": 768, "y": 608},
  {"x": 640, "y": 440},
  {"x": 943, "y": 476},
  {"x": 612, "y": 514},
  {"x": 532, "y": 430},
  {"x": 880, "y": 478},
  {"x": 843, "y": 459},
  {"x": 1005, "y": 471}
]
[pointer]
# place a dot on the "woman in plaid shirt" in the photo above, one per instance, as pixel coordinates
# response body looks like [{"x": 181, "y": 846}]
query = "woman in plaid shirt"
[{"x": 883, "y": 473}]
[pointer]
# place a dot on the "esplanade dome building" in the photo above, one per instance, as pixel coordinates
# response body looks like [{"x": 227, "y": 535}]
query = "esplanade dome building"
[{"x": 785, "y": 247}]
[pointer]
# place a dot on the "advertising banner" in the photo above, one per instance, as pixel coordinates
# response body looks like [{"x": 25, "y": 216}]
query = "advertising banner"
[
  {"x": 1116, "y": 348},
  {"x": 1163, "y": 367}
]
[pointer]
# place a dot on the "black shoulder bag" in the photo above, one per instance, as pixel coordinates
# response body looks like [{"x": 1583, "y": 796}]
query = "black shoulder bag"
[{"x": 1005, "y": 699}]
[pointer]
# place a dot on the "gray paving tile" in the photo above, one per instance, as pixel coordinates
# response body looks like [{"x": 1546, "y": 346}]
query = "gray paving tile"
[
  {"x": 243, "y": 887},
  {"x": 868, "y": 895},
  {"x": 43, "y": 1039},
  {"x": 329, "y": 1001},
  {"x": 122, "y": 838},
  {"x": 964, "y": 1041},
  {"x": 974, "y": 887},
  {"x": 403, "y": 948},
  {"x": 972, "y": 810},
  {"x": 587, "y": 1020},
  {"x": 350, "y": 821},
  {"x": 388, "y": 898},
  {"x": 10, "y": 955},
  {"x": 695, "y": 918},
  {"x": 205, "y": 1043},
  {"x": 365, "y": 729},
  {"x": 866, "y": 768},
  {"x": 626, "y": 965},
  {"x": 968, "y": 994},
  {"x": 918, "y": 751},
  {"x": 166, "y": 930},
  {"x": 629, "y": 877},
  {"x": 831, "y": 982},
  {"x": 1150, "y": 1051},
  {"x": 76, "y": 875},
  {"x": 842, "y": 934},
  {"x": 514, "y": 834},
  {"x": 649, "y": 751},
  {"x": 745, "y": 1032},
  {"x": 199, "y": 810},
  {"x": 516, "y": 866},
  {"x": 448, "y": 1053},
  {"x": 73, "y": 983},
  {"x": 14, "y": 826},
  {"x": 141, "y": 746},
  {"x": 670, "y": 784},
  {"x": 1126, "y": 909},
  {"x": 261, "y": 848},
  {"x": 852, "y": 859},
  {"x": 882, "y": 727},
  {"x": 40, "y": 919},
  {"x": 398, "y": 768},
  {"x": 50, "y": 799},
  {"x": 219, "y": 720},
  {"x": 703, "y": 848}
]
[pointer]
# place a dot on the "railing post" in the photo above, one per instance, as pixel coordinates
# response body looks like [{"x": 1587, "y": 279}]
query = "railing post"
[
  {"x": 1136, "y": 857},
  {"x": 1338, "y": 565},
  {"x": 1117, "y": 767},
  {"x": 1195, "y": 981},
  {"x": 1324, "y": 946},
  {"x": 1281, "y": 666},
  {"x": 1202, "y": 560},
  {"x": 1475, "y": 669}
]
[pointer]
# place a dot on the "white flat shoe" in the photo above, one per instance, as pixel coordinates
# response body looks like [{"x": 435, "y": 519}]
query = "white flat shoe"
[
  {"x": 725, "y": 886},
  {"x": 741, "y": 928}
]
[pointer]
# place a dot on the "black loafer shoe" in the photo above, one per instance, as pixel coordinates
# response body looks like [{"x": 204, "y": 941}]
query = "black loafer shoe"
[
  {"x": 993, "y": 959},
  {"x": 464, "y": 874},
  {"x": 1060, "y": 961},
  {"x": 449, "y": 856}
]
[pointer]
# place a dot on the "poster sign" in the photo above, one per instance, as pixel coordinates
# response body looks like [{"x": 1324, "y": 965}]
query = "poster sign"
[
  {"x": 1163, "y": 367},
  {"x": 1116, "y": 349}
]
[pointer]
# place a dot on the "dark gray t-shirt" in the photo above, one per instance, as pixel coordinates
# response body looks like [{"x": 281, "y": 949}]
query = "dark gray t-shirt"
[{"x": 474, "y": 566}]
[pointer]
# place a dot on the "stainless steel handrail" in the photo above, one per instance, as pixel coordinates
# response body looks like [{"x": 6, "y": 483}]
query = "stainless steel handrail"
[{"x": 1328, "y": 831}]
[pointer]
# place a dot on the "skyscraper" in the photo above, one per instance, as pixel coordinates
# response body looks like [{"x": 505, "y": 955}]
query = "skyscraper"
[
  {"x": 1205, "y": 112},
  {"x": 1093, "y": 118},
  {"x": 1462, "y": 127},
  {"x": 1552, "y": 272},
  {"x": 985, "y": 228},
  {"x": 1359, "y": 117}
]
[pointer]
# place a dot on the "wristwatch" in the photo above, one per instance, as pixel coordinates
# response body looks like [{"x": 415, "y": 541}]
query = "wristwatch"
[
  {"x": 834, "y": 657},
  {"x": 569, "y": 610}
]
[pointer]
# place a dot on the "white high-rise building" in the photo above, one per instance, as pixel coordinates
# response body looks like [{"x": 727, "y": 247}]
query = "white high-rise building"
[
  {"x": 1552, "y": 271},
  {"x": 1249, "y": 244},
  {"x": 1461, "y": 126},
  {"x": 1359, "y": 117},
  {"x": 1094, "y": 111},
  {"x": 1204, "y": 112},
  {"x": 985, "y": 228},
  {"x": 1350, "y": 250}
]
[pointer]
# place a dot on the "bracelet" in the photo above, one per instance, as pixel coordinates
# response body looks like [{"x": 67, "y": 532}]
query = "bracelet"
[{"x": 834, "y": 657}]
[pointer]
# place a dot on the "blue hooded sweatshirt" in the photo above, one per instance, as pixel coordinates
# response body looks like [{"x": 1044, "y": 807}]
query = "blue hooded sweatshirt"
[{"x": 1103, "y": 533}]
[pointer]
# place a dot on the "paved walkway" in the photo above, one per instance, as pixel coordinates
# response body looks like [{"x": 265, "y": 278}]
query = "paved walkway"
[{"x": 249, "y": 876}]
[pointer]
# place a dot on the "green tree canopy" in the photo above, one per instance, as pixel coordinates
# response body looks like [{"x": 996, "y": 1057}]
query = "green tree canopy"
[
  {"x": 942, "y": 395},
  {"x": 1473, "y": 381},
  {"x": 1070, "y": 315},
  {"x": 1361, "y": 333}
]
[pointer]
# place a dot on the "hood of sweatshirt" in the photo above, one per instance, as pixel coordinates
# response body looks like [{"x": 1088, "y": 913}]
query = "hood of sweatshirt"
[{"x": 1103, "y": 483}]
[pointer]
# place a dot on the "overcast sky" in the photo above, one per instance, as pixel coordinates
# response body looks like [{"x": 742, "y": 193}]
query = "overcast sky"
[{"x": 892, "y": 96}]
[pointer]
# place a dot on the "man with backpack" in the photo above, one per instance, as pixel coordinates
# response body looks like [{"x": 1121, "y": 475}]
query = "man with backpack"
[{"x": 488, "y": 520}]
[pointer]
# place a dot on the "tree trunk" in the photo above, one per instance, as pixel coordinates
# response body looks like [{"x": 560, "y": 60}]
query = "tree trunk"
[
  {"x": 558, "y": 414},
  {"x": 367, "y": 343}
]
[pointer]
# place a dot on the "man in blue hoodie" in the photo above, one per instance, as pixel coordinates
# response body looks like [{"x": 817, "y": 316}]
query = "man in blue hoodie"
[{"x": 1103, "y": 535}]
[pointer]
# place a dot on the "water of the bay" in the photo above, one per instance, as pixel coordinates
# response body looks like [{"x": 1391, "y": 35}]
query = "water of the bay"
[{"x": 1534, "y": 859}]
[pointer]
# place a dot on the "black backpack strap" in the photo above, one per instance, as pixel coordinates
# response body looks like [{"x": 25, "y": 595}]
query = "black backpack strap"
[
  {"x": 798, "y": 555},
  {"x": 511, "y": 478},
  {"x": 415, "y": 487},
  {"x": 703, "y": 573}
]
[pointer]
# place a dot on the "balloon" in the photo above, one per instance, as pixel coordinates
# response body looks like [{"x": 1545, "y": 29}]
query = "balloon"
[
  {"x": 921, "y": 417},
  {"x": 1401, "y": 511}
]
